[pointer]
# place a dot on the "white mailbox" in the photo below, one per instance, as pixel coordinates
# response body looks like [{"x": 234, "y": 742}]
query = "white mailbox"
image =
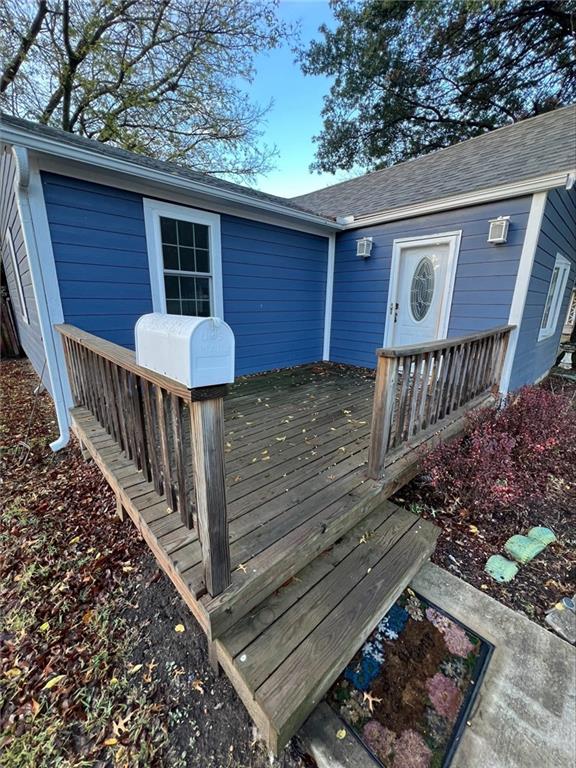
[{"x": 196, "y": 351}]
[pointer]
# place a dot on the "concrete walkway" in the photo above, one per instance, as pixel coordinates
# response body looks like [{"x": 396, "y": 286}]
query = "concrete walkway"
[{"x": 525, "y": 713}]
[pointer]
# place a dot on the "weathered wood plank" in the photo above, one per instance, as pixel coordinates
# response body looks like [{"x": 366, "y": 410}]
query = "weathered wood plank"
[{"x": 207, "y": 430}]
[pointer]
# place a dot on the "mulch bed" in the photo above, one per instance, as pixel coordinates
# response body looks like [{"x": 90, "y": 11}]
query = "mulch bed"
[
  {"x": 464, "y": 547},
  {"x": 101, "y": 662}
]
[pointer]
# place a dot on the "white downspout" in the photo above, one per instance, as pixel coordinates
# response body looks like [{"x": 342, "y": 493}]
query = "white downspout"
[{"x": 32, "y": 212}]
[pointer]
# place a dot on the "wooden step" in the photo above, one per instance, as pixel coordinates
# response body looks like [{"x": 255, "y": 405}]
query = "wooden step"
[{"x": 284, "y": 655}]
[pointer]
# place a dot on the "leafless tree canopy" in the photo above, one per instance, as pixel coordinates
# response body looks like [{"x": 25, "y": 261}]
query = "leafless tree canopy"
[{"x": 166, "y": 78}]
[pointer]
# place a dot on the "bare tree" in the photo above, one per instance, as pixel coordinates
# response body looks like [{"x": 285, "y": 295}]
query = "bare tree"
[{"x": 167, "y": 78}]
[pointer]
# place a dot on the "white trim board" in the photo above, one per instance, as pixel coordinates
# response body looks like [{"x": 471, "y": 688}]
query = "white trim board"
[
  {"x": 452, "y": 239},
  {"x": 329, "y": 296},
  {"x": 38, "y": 244},
  {"x": 506, "y": 191},
  {"x": 522, "y": 283},
  {"x": 174, "y": 193},
  {"x": 153, "y": 210},
  {"x": 92, "y": 156}
]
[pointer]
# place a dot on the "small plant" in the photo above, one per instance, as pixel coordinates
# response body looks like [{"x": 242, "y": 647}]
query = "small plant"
[{"x": 507, "y": 456}]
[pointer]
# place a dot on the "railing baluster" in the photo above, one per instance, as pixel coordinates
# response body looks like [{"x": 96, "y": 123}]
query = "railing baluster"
[
  {"x": 185, "y": 509},
  {"x": 164, "y": 450},
  {"x": 117, "y": 387},
  {"x": 149, "y": 422}
]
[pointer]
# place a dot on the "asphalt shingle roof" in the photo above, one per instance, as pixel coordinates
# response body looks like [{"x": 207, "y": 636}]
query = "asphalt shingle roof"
[
  {"x": 533, "y": 147},
  {"x": 178, "y": 171}
]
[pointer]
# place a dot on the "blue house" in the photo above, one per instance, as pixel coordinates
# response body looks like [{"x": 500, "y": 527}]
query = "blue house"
[{"x": 471, "y": 237}]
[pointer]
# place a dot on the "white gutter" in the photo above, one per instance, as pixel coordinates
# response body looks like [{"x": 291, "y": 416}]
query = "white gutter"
[
  {"x": 51, "y": 146},
  {"x": 517, "y": 189},
  {"x": 32, "y": 212}
]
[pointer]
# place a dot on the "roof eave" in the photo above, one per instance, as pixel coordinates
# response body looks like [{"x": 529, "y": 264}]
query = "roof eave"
[
  {"x": 45, "y": 145},
  {"x": 506, "y": 191}
]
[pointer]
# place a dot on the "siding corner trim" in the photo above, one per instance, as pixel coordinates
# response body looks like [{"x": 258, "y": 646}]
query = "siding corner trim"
[{"x": 533, "y": 227}]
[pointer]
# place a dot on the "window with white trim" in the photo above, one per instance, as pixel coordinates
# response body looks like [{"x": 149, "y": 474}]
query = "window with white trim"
[
  {"x": 185, "y": 259},
  {"x": 17, "y": 277},
  {"x": 554, "y": 297}
]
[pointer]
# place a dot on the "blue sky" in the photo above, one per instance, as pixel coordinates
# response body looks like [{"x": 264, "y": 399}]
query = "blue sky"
[{"x": 295, "y": 114}]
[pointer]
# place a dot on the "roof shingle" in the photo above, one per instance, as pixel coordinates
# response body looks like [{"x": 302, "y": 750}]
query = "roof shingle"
[{"x": 534, "y": 147}]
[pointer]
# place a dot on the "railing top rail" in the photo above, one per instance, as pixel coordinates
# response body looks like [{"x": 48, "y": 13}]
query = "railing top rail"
[
  {"x": 432, "y": 346},
  {"x": 125, "y": 358}
]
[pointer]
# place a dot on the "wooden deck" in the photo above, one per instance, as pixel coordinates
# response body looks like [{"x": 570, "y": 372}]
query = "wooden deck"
[
  {"x": 296, "y": 453},
  {"x": 269, "y": 509},
  {"x": 315, "y": 547}
]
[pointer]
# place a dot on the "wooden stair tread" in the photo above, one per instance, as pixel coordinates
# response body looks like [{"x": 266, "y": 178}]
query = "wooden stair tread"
[{"x": 285, "y": 654}]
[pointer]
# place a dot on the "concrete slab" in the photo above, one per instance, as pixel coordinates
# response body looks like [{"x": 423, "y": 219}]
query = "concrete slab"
[{"x": 524, "y": 714}]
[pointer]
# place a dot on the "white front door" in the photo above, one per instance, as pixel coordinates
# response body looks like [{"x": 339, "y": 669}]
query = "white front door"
[{"x": 422, "y": 279}]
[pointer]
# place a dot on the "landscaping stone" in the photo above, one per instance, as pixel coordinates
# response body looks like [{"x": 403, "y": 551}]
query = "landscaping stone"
[
  {"x": 563, "y": 622},
  {"x": 523, "y": 548},
  {"x": 543, "y": 535},
  {"x": 500, "y": 568}
]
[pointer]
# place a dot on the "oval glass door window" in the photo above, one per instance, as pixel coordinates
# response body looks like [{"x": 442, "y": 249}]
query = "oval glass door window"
[{"x": 422, "y": 289}]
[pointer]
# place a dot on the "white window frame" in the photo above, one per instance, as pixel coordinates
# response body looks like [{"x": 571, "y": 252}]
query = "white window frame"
[
  {"x": 453, "y": 240},
  {"x": 153, "y": 211},
  {"x": 554, "y": 297},
  {"x": 17, "y": 276}
]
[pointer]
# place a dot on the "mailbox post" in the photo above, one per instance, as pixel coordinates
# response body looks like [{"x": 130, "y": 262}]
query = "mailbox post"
[{"x": 199, "y": 352}]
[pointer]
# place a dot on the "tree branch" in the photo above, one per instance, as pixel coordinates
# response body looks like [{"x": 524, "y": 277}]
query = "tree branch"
[{"x": 26, "y": 42}]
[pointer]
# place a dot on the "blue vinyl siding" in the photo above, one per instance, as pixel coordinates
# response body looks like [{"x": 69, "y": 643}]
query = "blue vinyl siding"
[
  {"x": 274, "y": 293},
  {"x": 29, "y": 333},
  {"x": 274, "y": 278},
  {"x": 100, "y": 253},
  {"x": 533, "y": 358},
  {"x": 483, "y": 289}
]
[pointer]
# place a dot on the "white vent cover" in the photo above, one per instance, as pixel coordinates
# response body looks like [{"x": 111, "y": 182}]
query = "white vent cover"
[
  {"x": 364, "y": 247},
  {"x": 499, "y": 229}
]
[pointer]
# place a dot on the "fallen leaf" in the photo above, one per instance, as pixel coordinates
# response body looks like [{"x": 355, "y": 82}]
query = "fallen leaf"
[
  {"x": 75, "y": 540},
  {"x": 179, "y": 628},
  {"x": 110, "y": 742},
  {"x": 473, "y": 529},
  {"x": 281, "y": 439},
  {"x": 44, "y": 627},
  {"x": 198, "y": 685},
  {"x": 87, "y": 617},
  {"x": 367, "y": 697},
  {"x": 14, "y": 672},
  {"x": 134, "y": 669},
  {"x": 341, "y": 734},
  {"x": 35, "y": 706},
  {"x": 53, "y": 681}
]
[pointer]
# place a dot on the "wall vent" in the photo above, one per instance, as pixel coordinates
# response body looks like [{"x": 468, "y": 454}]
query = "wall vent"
[{"x": 499, "y": 229}]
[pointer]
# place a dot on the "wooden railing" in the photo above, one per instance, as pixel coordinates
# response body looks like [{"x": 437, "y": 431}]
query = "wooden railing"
[
  {"x": 419, "y": 386},
  {"x": 174, "y": 435}
]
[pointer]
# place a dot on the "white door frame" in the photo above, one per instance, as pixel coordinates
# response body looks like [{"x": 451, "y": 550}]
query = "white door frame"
[{"x": 452, "y": 239}]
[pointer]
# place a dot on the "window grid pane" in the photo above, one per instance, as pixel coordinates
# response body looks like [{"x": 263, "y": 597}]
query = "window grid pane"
[
  {"x": 187, "y": 295},
  {"x": 186, "y": 259}
]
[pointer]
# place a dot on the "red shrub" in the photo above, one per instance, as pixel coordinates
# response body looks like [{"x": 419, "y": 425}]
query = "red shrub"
[{"x": 507, "y": 456}]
